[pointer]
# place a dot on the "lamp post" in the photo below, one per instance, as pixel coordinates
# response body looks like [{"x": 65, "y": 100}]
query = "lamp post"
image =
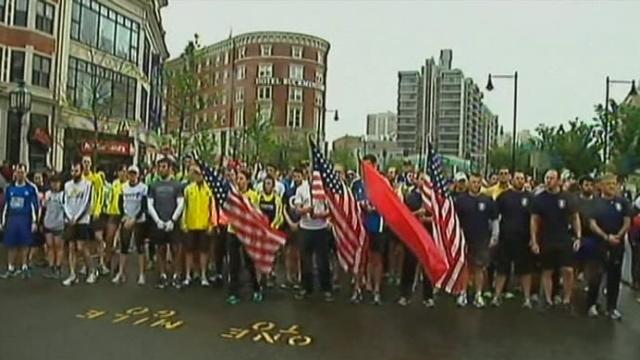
[
  {"x": 20, "y": 104},
  {"x": 322, "y": 126},
  {"x": 632, "y": 92},
  {"x": 515, "y": 111}
]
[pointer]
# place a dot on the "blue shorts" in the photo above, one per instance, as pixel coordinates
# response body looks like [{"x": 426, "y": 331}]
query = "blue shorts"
[{"x": 18, "y": 232}]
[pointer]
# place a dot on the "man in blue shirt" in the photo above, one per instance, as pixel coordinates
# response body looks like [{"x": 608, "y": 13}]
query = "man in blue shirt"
[
  {"x": 374, "y": 225},
  {"x": 19, "y": 220}
]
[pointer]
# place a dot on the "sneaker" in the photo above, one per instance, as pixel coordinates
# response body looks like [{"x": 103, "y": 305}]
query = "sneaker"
[
  {"x": 429, "y": 303},
  {"x": 9, "y": 274},
  {"x": 356, "y": 297},
  {"x": 557, "y": 300},
  {"x": 233, "y": 300},
  {"x": 527, "y": 304},
  {"x": 271, "y": 282},
  {"x": 478, "y": 302},
  {"x": 204, "y": 282},
  {"x": 593, "y": 311},
  {"x": 615, "y": 315},
  {"x": 535, "y": 298},
  {"x": 403, "y": 301},
  {"x": 83, "y": 271},
  {"x": 258, "y": 297},
  {"x": 57, "y": 273},
  {"x": 50, "y": 274},
  {"x": 301, "y": 295},
  {"x": 216, "y": 280},
  {"x": 72, "y": 279},
  {"x": 93, "y": 277},
  {"x": 176, "y": 282},
  {"x": 187, "y": 281},
  {"x": 162, "y": 282},
  {"x": 509, "y": 295},
  {"x": 26, "y": 273},
  {"x": 462, "y": 300},
  {"x": 496, "y": 302},
  {"x": 141, "y": 280},
  {"x": 377, "y": 299},
  {"x": 328, "y": 296},
  {"x": 488, "y": 294},
  {"x": 119, "y": 279},
  {"x": 103, "y": 270}
]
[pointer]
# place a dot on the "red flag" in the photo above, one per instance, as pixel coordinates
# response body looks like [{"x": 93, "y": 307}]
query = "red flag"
[{"x": 404, "y": 223}]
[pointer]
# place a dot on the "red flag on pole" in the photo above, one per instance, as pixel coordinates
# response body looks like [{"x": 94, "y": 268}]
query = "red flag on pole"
[{"x": 403, "y": 223}]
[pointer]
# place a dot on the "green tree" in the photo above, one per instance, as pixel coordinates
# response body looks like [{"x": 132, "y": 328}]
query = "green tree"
[
  {"x": 344, "y": 157},
  {"x": 500, "y": 157},
  {"x": 624, "y": 139}
]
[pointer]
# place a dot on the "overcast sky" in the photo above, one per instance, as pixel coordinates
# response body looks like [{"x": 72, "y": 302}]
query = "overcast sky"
[{"x": 562, "y": 50}]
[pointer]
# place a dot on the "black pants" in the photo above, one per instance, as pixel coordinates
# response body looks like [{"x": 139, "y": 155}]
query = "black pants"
[
  {"x": 635, "y": 258},
  {"x": 315, "y": 242},
  {"x": 236, "y": 251},
  {"x": 220, "y": 249},
  {"x": 407, "y": 277},
  {"x": 611, "y": 264}
]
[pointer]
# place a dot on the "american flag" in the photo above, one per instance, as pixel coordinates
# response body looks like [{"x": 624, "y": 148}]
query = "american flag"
[
  {"x": 447, "y": 233},
  {"x": 250, "y": 225},
  {"x": 346, "y": 215}
]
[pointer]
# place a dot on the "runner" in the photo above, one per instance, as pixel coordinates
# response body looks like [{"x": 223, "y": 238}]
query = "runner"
[
  {"x": 200, "y": 219},
  {"x": 292, "y": 250},
  {"x": 236, "y": 251},
  {"x": 77, "y": 209},
  {"x": 513, "y": 246},
  {"x": 98, "y": 221},
  {"x": 53, "y": 221},
  {"x": 19, "y": 219},
  {"x": 478, "y": 219},
  {"x": 553, "y": 211},
  {"x": 374, "y": 224},
  {"x": 133, "y": 202},
  {"x": 610, "y": 218},
  {"x": 270, "y": 204},
  {"x": 165, "y": 204},
  {"x": 113, "y": 212},
  {"x": 314, "y": 241}
]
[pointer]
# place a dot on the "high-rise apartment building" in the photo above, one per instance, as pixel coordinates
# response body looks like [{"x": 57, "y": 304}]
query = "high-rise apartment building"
[
  {"x": 382, "y": 126},
  {"x": 409, "y": 109}
]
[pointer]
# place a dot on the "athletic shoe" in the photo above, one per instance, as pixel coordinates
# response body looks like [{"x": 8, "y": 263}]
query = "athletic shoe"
[
  {"x": 535, "y": 298},
  {"x": 488, "y": 294},
  {"x": 50, "y": 274},
  {"x": 162, "y": 281},
  {"x": 72, "y": 279},
  {"x": 57, "y": 273},
  {"x": 403, "y": 301},
  {"x": 187, "y": 281},
  {"x": 377, "y": 299},
  {"x": 328, "y": 296},
  {"x": 557, "y": 300},
  {"x": 615, "y": 315},
  {"x": 496, "y": 302},
  {"x": 258, "y": 297},
  {"x": 204, "y": 282},
  {"x": 301, "y": 295},
  {"x": 119, "y": 279},
  {"x": 509, "y": 295},
  {"x": 271, "y": 281},
  {"x": 93, "y": 276},
  {"x": 462, "y": 300},
  {"x": 141, "y": 280},
  {"x": 104, "y": 271},
  {"x": 176, "y": 282},
  {"x": 9, "y": 274},
  {"x": 356, "y": 297},
  {"x": 26, "y": 273},
  {"x": 478, "y": 302},
  {"x": 527, "y": 304},
  {"x": 429, "y": 303},
  {"x": 216, "y": 280},
  {"x": 83, "y": 271},
  {"x": 593, "y": 311},
  {"x": 233, "y": 300}
]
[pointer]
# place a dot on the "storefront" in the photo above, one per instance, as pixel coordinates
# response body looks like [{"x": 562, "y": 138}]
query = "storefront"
[{"x": 111, "y": 151}]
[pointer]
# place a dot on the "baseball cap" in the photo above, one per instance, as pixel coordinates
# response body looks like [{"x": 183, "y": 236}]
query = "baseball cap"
[
  {"x": 460, "y": 176},
  {"x": 134, "y": 169}
]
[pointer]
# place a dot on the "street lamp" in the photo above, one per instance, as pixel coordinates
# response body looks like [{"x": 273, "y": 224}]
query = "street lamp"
[
  {"x": 322, "y": 127},
  {"x": 515, "y": 111},
  {"x": 632, "y": 92},
  {"x": 20, "y": 104}
]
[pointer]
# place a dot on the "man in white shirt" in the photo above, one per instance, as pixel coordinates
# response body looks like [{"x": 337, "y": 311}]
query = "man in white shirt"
[{"x": 314, "y": 237}]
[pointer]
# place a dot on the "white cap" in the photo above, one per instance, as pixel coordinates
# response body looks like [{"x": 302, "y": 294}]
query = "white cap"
[
  {"x": 460, "y": 176},
  {"x": 134, "y": 169}
]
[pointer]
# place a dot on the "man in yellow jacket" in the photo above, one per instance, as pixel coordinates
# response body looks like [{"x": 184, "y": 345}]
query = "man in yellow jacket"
[
  {"x": 98, "y": 221},
  {"x": 200, "y": 218}
]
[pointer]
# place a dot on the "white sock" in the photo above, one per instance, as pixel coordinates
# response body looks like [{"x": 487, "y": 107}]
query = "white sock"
[{"x": 11, "y": 267}]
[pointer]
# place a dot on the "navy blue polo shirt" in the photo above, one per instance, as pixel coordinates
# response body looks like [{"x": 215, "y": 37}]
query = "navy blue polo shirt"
[
  {"x": 609, "y": 214},
  {"x": 373, "y": 221}
]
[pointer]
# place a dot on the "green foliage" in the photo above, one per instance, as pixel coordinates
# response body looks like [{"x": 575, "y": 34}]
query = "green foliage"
[
  {"x": 500, "y": 157},
  {"x": 624, "y": 148},
  {"x": 346, "y": 158}
]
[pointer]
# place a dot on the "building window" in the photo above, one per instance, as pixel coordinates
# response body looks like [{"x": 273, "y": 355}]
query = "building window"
[
  {"x": 265, "y": 70},
  {"x": 224, "y": 99},
  {"x": 296, "y": 52},
  {"x": 217, "y": 63},
  {"x": 226, "y": 57},
  {"x": 296, "y": 71},
  {"x": 240, "y": 95},
  {"x": 239, "y": 117},
  {"x": 241, "y": 73},
  {"x": 144, "y": 101},
  {"x": 37, "y": 151},
  {"x": 41, "y": 69},
  {"x": 3, "y": 6},
  {"x": 319, "y": 78},
  {"x": 216, "y": 78},
  {"x": 21, "y": 13},
  {"x": 320, "y": 57},
  {"x": 265, "y": 50},
  {"x": 242, "y": 52},
  {"x": 225, "y": 76},
  {"x": 264, "y": 93},
  {"x": 295, "y": 94},
  {"x": 17, "y": 66},
  {"x": 44, "y": 16},
  {"x": 97, "y": 25},
  {"x": 146, "y": 57},
  {"x": 294, "y": 117},
  {"x": 92, "y": 86},
  {"x": 318, "y": 99}
]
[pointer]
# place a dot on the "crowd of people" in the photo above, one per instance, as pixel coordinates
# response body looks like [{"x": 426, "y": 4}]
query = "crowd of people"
[{"x": 546, "y": 235}]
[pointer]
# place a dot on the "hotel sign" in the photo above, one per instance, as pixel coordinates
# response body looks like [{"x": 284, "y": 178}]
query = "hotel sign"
[{"x": 290, "y": 82}]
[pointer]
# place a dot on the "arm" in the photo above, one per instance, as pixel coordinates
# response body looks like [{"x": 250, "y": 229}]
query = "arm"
[
  {"x": 213, "y": 212},
  {"x": 577, "y": 227},
  {"x": 625, "y": 227},
  {"x": 35, "y": 207},
  {"x": 5, "y": 210},
  {"x": 65, "y": 207},
  {"x": 86, "y": 203},
  {"x": 152, "y": 210},
  {"x": 143, "y": 208},
  {"x": 180, "y": 204},
  {"x": 597, "y": 230},
  {"x": 535, "y": 232}
]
